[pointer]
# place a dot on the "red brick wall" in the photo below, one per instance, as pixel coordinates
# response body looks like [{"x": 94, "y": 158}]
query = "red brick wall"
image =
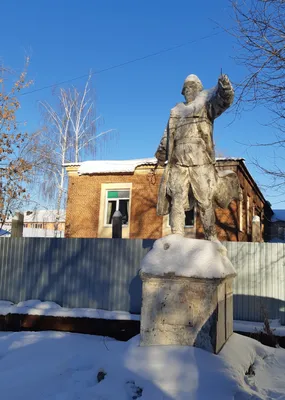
[{"x": 83, "y": 205}]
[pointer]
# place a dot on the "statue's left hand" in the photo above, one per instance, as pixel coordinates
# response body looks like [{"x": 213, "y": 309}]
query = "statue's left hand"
[{"x": 224, "y": 81}]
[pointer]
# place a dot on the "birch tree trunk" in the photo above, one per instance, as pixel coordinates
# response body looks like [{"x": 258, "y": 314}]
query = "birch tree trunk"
[{"x": 70, "y": 135}]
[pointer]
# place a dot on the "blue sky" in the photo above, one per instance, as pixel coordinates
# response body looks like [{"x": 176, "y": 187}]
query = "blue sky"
[{"x": 66, "y": 39}]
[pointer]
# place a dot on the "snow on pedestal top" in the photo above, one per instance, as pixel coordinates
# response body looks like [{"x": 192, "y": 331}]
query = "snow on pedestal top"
[{"x": 187, "y": 258}]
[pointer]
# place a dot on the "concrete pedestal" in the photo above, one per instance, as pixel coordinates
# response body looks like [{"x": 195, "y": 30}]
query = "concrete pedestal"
[{"x": 186, "y": 311}]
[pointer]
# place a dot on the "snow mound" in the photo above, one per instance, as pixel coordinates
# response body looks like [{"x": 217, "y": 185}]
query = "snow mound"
[
  {"x": 65, "y": 366},
  {"x": 6, "y": 303},
  {"x": 187, "y": 257},
  {"x": 52, "y": 309},
  {"x": 40, "y": 305}
]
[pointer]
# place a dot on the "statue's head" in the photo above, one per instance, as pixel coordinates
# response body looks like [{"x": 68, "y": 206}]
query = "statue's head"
[{"x": 192, "y": 87}]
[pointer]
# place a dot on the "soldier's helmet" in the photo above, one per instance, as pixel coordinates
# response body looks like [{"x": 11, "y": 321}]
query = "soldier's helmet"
[{"x": 190, "y": 80}]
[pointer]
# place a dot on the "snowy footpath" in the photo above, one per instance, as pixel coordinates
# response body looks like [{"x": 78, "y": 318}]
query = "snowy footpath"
[{"x": 66, "y": 366}]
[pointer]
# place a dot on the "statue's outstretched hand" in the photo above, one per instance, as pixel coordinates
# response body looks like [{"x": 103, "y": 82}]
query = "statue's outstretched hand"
[{"x": 224, "y": 81}]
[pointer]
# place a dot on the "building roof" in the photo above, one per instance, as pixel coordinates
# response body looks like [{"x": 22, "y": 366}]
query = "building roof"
[
  {"x": 3, "y": 232},
  {"x": 113, "y": 166},
  {"x": 43, "y": 216},
  {"x": 120, "y": 166},
  {"x": 129, "y": 166},
  {"x": 279, "y": 215}
]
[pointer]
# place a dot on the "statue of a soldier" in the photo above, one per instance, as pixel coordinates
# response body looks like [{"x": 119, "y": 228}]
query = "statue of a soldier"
[{"x": 187, "y": 145}]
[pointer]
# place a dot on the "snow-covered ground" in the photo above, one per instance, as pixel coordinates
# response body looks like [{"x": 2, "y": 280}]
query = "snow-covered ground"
[
  {"x": 252, "y": 327},
  {"x": 66, "y": 366}
]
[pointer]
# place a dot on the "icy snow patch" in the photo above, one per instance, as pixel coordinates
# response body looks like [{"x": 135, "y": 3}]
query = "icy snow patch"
[{"x": 187, "y": 257}]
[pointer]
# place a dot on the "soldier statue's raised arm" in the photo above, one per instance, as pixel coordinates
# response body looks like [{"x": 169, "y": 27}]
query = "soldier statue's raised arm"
[{"x": 187, "y": 146}]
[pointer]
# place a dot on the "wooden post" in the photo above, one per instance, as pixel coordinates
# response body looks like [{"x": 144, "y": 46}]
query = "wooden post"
[
  {"x": 117, "y": 225},
  {"x": 17, "y": 225}
]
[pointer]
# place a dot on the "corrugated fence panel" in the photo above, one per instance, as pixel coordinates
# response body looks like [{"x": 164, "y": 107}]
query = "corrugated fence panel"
[
  {"x": 281, "y": 281},
  {"x": 87, "y": 273},
  {"x": 103, "y": 273},
  {"x": 260, "y": 283}
]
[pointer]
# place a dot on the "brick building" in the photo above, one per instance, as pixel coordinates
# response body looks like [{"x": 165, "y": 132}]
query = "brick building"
[
  {"x": 40, "y": 223},
  {"x": 97, "y": 188}
]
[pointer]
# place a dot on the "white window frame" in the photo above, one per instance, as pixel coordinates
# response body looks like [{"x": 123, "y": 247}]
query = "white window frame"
[
  {"x": 253, "y": 209},
  {"x": 247, "y": 214},
  {"x": 117, "y": 204},
  {"x": 241, "y": 215}
]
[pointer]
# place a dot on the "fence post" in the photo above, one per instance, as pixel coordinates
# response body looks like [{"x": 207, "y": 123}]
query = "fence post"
[
  {"x": 17, "y": 225},
  {"x": 117, "y": 225}
]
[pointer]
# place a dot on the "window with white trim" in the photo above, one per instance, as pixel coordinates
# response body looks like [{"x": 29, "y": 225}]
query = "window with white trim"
[
  {"x": 241, "y": 212},
  {"x": 117, "y": 200}
]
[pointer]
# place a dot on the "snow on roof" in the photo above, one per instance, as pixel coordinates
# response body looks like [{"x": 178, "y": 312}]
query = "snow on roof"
[
  {"x": 188, "y": 258},
  {"x": 120, "y": 166},
  {"x": 229, "y": 159},
  {"x": 113, "y": 166},
  {"x": 279, "y": 215}
]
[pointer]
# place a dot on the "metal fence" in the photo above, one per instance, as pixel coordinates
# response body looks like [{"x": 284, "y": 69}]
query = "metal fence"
[
  {"x": 260, "y": 282},
  {"x": 103, "y": 273}
]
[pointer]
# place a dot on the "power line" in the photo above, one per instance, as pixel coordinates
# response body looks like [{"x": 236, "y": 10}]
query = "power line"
[{"x": 124, "y": 63}]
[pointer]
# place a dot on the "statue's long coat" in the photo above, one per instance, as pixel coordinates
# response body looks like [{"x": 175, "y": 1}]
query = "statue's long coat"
[{"x": 192, "y": 124}]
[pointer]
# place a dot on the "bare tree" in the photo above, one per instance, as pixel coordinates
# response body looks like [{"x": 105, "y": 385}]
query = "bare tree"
[
  {"x": 14, "y": 167},
  {"x": 53, "y": 144},
  {"x": 260, "y": 35},
  {"x": 84, "y": 123},
  {"x": 70, "y": 135}
]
